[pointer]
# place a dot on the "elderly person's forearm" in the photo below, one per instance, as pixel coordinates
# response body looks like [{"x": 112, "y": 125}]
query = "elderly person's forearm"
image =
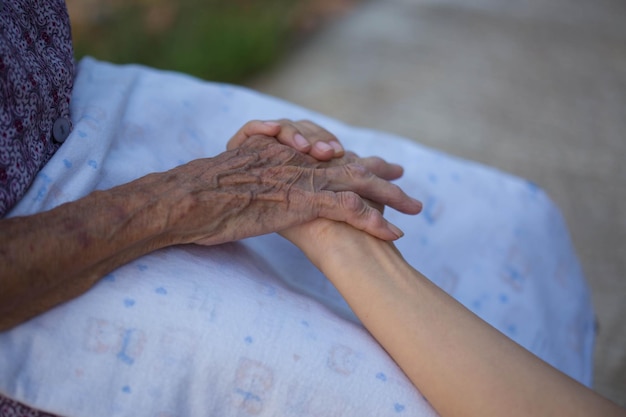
[
  {"x": 51, "y": 257},
  {"x": 260, "y": 187}
]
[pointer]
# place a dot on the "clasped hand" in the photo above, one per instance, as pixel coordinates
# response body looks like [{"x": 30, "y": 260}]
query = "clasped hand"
[{"x": 263, "y": 186}]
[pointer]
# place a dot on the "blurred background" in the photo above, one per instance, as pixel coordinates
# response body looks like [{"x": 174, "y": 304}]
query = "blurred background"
[
  {"x": 533, "y": 87},
  {"x": 219, "y": 40}
]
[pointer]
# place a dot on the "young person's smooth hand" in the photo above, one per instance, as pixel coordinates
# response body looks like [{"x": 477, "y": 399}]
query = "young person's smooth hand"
[{"x": 302, "y": 135}]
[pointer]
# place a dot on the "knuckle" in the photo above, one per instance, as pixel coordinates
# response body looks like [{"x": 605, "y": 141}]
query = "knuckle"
[
  {"x": 396, "y": 193},
  {"x": 350, "y": 156},
  {"x": 352, "y": 202},
  {"x": 251, "y": 124},
  {"x": 305, "y": 122},
  {"x": 376, "y": 219},
  {"x": 377, "y": 162},
  {"x": 316, "y": 129},
  {"x": 357, "y": 171}
]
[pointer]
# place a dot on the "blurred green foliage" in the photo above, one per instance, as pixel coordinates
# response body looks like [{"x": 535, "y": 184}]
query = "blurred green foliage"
[{"x": 218, "y": 40}]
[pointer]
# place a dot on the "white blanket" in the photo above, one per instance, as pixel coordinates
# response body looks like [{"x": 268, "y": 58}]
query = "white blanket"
[{"x": 252, "y": 328}]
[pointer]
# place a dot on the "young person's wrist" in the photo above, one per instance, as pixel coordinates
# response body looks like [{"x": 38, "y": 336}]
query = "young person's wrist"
[{"x": 328, "y": 243}]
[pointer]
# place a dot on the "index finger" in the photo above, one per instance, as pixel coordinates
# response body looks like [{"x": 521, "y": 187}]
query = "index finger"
[{"x": 358, "y": 179}]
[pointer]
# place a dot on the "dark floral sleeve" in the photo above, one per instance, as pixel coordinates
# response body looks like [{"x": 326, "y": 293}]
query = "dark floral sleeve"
[
  {"x": 10, "y": 408},
  {"x": 36, "y": 77}
]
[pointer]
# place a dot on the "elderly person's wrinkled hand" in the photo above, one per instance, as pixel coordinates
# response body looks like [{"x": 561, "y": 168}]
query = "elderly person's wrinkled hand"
[{"x": 263, "y": 186}]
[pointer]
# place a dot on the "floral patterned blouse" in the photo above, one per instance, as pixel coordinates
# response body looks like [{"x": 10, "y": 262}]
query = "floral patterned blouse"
[
  {"x": 10, "y": 408},
  {"x": 36, "y": 77}
]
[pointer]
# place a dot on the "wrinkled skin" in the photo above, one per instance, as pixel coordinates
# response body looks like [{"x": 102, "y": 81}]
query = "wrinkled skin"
[
  {"x": 260, "y": 186},
  {"x": 263, "y": 186}
]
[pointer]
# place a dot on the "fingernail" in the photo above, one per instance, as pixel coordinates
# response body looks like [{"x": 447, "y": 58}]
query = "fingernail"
[
  {"x": 323, "y": 147},
  {"x": 399, "y": 233},
  {"x": 336, "y": 146},
  {"x": 301, "y": 142},
  {"x": 270, "y": 123},
  {"x": 419, "y": 203}
]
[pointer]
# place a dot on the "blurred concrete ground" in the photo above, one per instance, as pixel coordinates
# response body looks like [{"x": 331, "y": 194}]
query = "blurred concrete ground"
[{"x": 534, "y": 87}]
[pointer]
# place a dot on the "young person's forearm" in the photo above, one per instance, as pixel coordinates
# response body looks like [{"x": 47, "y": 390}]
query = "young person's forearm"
[{"x": 461, "y": 364}]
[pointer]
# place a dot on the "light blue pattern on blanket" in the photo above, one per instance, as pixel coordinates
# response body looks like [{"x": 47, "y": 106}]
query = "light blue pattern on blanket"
[{"x": 251, "y": 328}]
